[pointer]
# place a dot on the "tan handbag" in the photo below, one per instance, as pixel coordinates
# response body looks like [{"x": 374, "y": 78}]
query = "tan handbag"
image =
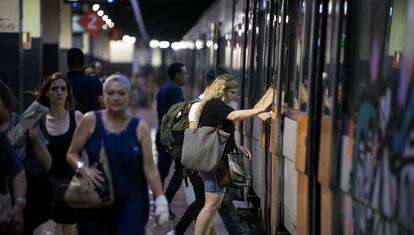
[{"x": 79, "y": 196}]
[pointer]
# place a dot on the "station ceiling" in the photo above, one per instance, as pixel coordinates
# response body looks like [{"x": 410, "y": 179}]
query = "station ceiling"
[{"x": 163, "y": 19}]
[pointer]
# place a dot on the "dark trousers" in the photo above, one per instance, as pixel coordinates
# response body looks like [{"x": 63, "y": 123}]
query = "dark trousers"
[
  {"x": 164, "y": 160},
  {"x": 178, "y": 175},
  {"x": 194, "y": 208}
]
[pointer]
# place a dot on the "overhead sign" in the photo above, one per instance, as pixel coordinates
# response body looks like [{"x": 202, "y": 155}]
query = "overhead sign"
[
  {"x": 92, "y": 23},
  {"x": 9, "y": 16}
]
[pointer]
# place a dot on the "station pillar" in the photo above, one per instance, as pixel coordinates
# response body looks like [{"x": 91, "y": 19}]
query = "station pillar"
[{"x": 11, "y": 56}]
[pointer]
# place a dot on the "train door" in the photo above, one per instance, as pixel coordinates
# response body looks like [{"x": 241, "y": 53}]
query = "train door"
[
  {"x": 331, "y": 78},
  {"x": 200, "y": 65},
  {"x": 238, "y": 41},
  {"x": 291, "y": 58},
  {"x": 212, "y": 44},
  {"x": 261, "y": 130}
]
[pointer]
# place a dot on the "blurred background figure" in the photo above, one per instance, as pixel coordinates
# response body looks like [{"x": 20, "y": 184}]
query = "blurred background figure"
[
  {"x": 88, "y": 69},
  {"x": 98, "y": 71},
  {"x": 12, "y": 167},
  {"x": 36, "y": 159},
  {"x": 87, "y": 90}
]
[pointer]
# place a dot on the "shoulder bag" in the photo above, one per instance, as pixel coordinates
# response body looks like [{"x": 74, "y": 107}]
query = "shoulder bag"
[
  {"x": 233, "y": 171},
  {"x": 79, "y": 196},
  {"x": 203, "y": 148}
]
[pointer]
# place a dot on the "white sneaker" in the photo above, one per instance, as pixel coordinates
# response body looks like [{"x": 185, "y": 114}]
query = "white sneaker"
[{"x": 172, "y": 232}]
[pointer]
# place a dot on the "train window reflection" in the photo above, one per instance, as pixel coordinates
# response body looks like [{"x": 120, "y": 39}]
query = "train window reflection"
[{"x": 292, "y": 52}]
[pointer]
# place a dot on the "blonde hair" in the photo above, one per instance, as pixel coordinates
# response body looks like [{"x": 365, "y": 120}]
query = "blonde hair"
[{"x": 222, "y": 84}]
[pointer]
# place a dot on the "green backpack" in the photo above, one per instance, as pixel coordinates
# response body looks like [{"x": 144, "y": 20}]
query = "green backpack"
[{"x": 173, "y": 124}]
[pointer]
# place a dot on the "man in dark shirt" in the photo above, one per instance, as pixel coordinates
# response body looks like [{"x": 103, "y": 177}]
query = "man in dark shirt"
[
  {"x": 87, "y": 90},
  {"x": 168, "y": 95}
]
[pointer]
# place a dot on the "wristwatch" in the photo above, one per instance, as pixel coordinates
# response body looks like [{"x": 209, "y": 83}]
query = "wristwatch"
[{"x": 79, "y": 166}]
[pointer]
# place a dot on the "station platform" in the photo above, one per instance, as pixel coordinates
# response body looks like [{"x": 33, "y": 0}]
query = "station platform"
[{"x": 179, "y": 204}]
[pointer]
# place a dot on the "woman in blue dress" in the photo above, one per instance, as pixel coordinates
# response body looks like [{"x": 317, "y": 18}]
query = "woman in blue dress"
[{"x": 127, "y": 143}]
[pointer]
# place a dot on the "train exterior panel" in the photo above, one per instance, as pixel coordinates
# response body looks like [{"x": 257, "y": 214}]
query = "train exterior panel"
[{"x": 337, "y": 156}]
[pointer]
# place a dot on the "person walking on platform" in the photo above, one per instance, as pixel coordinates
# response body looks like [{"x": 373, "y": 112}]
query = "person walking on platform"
[
  {"x": 195, "y": 207},
  {"x": 58, "y": 127},
  {"x": 127, "y": 144},
  {"x": 11, "y": 166},
  {"x": 214, "y": 111},
  {"x": 168, "y": 95},
  {"x": 97, "y": 66},
  {"x": 87, "y": 90}
]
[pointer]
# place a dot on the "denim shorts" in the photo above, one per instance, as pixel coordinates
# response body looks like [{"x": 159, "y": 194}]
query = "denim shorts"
[{"x": 211, "y": 184}]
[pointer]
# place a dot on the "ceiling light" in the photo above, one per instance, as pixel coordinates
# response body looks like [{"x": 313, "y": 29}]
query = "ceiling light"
[
  {"x": 111, "y": 25},
  {"x": 164, "y": 44},
  {"x": 105, "y": 26},
  {"x": 128, "y": 39},
  {"x": 104, "y": 17},
  {"x": 209, "y": 43},
  {"x": 189, "y": 45},
  {"x": 132, "y": 40},
  {"x": 199, "y": 44},
  {"x": 100, "y": 13},
  {"x": 154, "y": 43},
  {"x": 95, "y": 7},
  {"x": 176, "y": 46}
]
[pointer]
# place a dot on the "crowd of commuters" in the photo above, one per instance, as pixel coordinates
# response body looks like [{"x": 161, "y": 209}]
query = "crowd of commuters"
[
  {"x": 82, "y": 111},
  {"x": 88, "y": 111}
]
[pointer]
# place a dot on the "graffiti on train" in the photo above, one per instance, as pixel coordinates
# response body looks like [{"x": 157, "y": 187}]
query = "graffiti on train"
[{"x": 382, "y": 167}]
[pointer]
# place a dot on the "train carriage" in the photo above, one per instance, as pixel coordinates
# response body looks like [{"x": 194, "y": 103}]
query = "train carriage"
[{"x": 336, "y": 157}]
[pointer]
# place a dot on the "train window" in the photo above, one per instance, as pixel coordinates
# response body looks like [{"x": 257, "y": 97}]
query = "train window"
[
  {"x": 292, "y": 53},
  {"x": 226, "y": 45},
  {"x": 212, "y": 44},
  {"x": 377, "y": 40},
  {"x": 262, "y": 32},
  {"x": 251, "y": 50},
  {"x": 327, "y": 76},
  {"x": 237, "y": 55},
  {"x": 305, "y": 14}
]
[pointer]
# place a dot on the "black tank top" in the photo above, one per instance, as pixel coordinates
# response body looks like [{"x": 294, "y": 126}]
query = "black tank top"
[{"x": 58, "y": 147}]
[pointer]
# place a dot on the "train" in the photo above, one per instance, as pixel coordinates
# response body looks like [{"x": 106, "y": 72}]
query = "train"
[{"x": 337, "y": 156}]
